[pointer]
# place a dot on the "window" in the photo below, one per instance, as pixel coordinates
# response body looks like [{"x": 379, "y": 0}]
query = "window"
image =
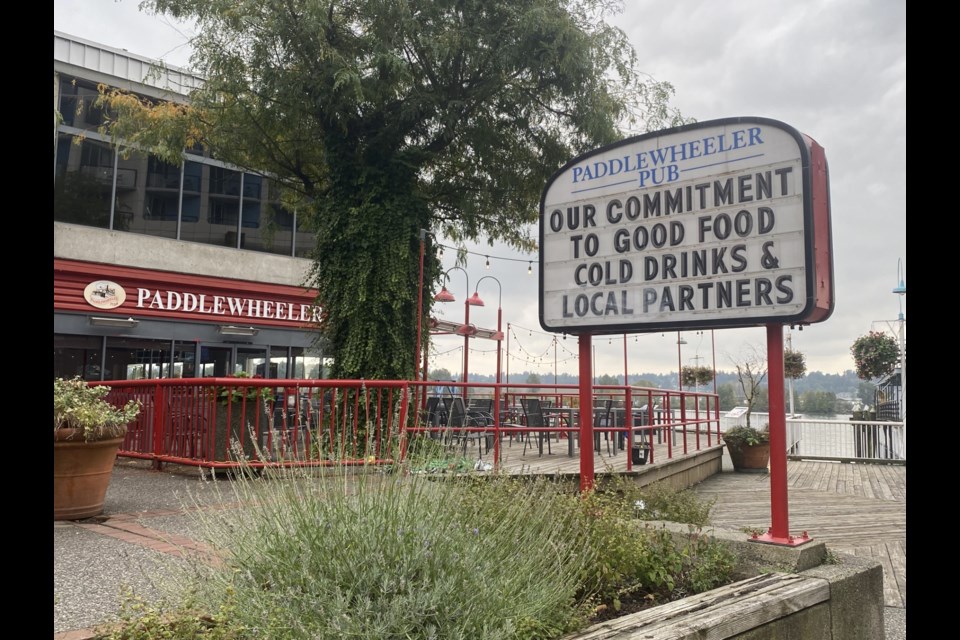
[
  {"x": 223, "y": 212},
  {"x": 161, "y": 207}
]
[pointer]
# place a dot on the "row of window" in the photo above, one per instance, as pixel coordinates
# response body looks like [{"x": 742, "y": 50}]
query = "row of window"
[
  {"x": 199, "y": 201},
  {"x": 119, "y": 358}
]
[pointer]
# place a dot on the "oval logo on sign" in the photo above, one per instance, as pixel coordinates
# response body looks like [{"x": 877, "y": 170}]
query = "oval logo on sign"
[{"x": 104, "y": 294}]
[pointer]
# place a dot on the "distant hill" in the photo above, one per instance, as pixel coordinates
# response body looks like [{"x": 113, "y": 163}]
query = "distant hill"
[{"x": 844, "y": 384}]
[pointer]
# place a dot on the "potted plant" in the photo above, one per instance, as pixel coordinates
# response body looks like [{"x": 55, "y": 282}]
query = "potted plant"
[
  {"x": 749, "y": 448},
  {"x": 237, "y": 427},
  {"x": 87, "y": 432}
]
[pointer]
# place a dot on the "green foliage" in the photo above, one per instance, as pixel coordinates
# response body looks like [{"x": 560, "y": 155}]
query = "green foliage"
[
  {"x": 355, "y": 554},
  {"x": 743, "y": 436},
  {"x": 866, "y": 392},
  {"x": 696, "y": 376},
  {"x": 648, "y": 564},
  {"x": 875, "y": 355},
  {"x": 727, "y": 394},
  {"x": 818, "y": 402},
  {"x": 237, "y": 393},
  {"x": 382, "y": 119},
  {"x": 351, "y": 553},
  {"x": 140, "y": 620},
  {"x": 794, "y": 364},
  {"x": 79, "y": 405},
  {"x": 441, "y": 374},
  {"x": 429, "y": 455}
]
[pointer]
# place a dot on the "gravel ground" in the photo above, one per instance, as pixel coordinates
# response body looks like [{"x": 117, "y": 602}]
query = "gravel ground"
[{"x": 90, "y": 571}]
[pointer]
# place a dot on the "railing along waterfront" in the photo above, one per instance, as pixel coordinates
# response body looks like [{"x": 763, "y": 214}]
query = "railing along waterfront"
[
  {"x": 216, "y": 422},
  {"x": 841, "y": 440}
]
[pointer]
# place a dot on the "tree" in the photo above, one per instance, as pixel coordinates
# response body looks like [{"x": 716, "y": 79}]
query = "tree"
[
  {"x": 385, "y": 117},
  {"x": 875, "y": 355},
  {"x": 751, "y": 367},
  {"x": 867, "y": 393},
  {"x": 818, "y": 402},
  {"x": 440, "y": 374},
  {"x": 727, "y": 394}
]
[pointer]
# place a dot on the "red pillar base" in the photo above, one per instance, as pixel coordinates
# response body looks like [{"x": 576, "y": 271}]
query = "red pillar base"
[{"x": 789, "y": 541}]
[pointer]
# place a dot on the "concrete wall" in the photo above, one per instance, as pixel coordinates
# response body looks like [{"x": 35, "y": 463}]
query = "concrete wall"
[{"x": 78, "y": 242}]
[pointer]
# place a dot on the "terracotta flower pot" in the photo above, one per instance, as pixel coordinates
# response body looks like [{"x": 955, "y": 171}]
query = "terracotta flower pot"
[
  {"x": 750, "y": 458},
  {"x": 81, "y": 474}
]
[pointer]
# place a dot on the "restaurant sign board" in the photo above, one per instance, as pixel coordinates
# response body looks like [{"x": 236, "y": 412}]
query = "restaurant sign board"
[{"x": 724, "y": 223}]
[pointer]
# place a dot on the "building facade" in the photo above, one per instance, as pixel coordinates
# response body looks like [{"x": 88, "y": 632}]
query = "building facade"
[{"x": 165, "y": 270}]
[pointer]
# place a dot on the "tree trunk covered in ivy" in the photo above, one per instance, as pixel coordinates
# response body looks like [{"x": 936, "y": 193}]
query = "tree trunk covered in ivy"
[
  {"x": 379, "y": 118},
  {"x": 366, "y": 267}
]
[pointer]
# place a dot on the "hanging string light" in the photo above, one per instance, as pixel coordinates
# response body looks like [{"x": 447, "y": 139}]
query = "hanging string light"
[
  {"x": 488, "y": 263},
  {"x": 530, "y": 268}
]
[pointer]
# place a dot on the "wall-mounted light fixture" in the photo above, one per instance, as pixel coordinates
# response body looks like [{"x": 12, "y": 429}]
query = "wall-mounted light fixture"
[
  {"x": 111, "y": 321},
  {"x": 233, "y": 330}
]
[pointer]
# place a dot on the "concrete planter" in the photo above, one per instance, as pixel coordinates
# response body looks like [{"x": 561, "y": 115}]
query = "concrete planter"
[{"x": 784, "y": 592}]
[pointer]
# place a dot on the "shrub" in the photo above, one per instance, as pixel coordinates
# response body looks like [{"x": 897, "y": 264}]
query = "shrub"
[
  {"x": 646, "y": 565},
  {"x": 740, "y": 436},
  {"x": 81, "y": 406},
  {"x": 356, "y": 554}
]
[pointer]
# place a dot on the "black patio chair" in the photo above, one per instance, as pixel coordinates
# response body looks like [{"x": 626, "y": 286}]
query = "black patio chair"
[
  {"x": 459, "y": 425},
  {"x": 535, "y": 423}
]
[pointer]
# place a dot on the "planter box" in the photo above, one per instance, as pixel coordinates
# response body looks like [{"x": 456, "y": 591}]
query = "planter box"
[
  {"x": 790, "y": 593},
  {"x": 750, "y": 458}
]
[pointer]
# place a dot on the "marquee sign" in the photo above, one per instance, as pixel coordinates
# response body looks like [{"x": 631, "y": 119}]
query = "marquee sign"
[{"x": 724, "y": 223}]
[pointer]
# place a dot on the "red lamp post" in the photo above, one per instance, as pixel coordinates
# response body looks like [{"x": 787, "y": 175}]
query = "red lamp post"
[
  {"x": 478, "y": 302},
  {"x": 466, "y": 330}
]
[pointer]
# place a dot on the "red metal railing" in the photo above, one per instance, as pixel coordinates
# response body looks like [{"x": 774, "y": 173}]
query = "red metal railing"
[{"x": 216, "y": 422}]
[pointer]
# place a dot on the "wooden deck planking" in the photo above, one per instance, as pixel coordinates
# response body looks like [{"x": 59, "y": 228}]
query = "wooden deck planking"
[
  {"x": 853, "y": 508},
  {"x": 514, "y": 461}
]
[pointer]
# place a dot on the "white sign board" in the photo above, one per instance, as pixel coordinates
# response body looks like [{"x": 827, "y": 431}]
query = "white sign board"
[
  {"x": 736, "y": 412},
  {"x": 707, "y": 225}
]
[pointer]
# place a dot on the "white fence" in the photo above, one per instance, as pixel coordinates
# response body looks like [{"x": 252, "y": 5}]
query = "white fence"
[{"x": 837, "y": 439}]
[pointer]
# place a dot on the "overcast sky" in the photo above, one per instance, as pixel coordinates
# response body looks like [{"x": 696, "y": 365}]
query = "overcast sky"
[{"x": 834, "y": 70}]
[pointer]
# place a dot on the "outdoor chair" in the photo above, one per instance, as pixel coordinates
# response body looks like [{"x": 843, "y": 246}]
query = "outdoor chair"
[
  {"x": 603, "y": 419},
  {"x": 481, "y": 408},
  {"x": 535, "y": 422},
  {"x": 459, "y": 423},
  {"x": 433, "y": 416}
]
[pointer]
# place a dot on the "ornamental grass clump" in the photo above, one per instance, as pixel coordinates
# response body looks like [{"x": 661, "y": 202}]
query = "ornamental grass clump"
[
  {"x": 77, "y": 405},
  {"x": 353, "y": 553}
]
